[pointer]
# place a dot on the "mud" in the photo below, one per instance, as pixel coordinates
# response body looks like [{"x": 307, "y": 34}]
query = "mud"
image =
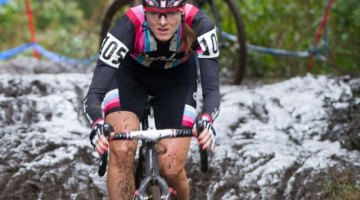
[{"x": 45, "y": 153}]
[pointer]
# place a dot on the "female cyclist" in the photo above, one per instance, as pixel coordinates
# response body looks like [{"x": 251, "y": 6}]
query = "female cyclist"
[{"x": 151, "y": 51}]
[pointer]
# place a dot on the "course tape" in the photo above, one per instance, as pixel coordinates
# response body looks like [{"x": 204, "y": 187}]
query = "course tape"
[
  {"x": 265, "y": 50},
  {"x": 278, "y": 52},
  {"x": 2, "y": 2},
  {"x": 48, "y": 54}
]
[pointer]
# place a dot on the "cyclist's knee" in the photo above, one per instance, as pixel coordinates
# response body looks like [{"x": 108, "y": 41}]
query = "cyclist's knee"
[
  {"x": 172, "y": 169},
  {"x": 123, "y": 121},
  {"x": 122, "y": 154}
]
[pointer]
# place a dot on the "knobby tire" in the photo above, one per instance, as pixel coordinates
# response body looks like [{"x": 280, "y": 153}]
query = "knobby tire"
[
  {"x": 107, "y": 22},
  {"x": 155, "y": 193},
  {"x": 240, "y": 69}
]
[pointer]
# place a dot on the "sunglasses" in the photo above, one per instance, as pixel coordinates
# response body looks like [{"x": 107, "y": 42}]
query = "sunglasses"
[{"x": 168, "y": 13}]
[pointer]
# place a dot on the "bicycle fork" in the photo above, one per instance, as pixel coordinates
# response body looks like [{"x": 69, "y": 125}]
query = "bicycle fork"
[{"x": 152, "y": 175}]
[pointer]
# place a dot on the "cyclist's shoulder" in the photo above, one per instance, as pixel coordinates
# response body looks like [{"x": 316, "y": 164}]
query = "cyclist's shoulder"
[
  {"x": 198, "y": 20},
  {"x": 136, "y": 14},
  {"x": 130, "y": 21},
  {"x": 190, "y": 12}
]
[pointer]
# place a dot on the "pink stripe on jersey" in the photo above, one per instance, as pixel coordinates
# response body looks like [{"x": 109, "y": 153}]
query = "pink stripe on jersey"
[
  {"x": 139, "y": 13},
  {"x": 189, "y": 116},
  {"x": 98, "y": 121},
  {"x": 136, "y": 15},
  {"x": 187, "y": 124},
  {"x": 111, "y": 101},
  {"x": 109, "y": 106},
  {"x": 190, "y": 11},
  {"x": 188, "y": 119}
]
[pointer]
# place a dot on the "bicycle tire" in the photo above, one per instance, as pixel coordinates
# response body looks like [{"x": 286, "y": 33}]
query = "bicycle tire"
[
  {"x": 107, "y": 22},
  {"x": 233, "y": 51},
  {"x": 241, "y": 36},
  {"x": 154, "y": 192}
]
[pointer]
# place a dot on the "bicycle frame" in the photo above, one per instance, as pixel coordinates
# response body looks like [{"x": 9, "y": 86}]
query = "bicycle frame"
[
  {"x": 152, "y": 174},
  {"x": 149, "y": 140}
]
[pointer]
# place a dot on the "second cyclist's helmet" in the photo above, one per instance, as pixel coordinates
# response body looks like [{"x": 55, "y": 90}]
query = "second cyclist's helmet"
[{"x": 163, "y": 3}]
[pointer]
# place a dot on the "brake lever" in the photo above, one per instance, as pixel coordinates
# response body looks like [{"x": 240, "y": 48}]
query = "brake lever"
[{"x": 104, "y": 158}]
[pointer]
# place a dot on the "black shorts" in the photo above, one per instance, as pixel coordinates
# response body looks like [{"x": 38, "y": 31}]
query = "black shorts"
[{"x": 173, "y": 90}]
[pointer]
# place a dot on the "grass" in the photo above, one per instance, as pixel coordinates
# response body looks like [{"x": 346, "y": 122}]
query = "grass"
[{"x": 342, "y": 187}]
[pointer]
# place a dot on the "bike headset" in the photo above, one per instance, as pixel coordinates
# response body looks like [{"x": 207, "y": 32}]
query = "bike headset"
[{"x": 164, "y": 6}]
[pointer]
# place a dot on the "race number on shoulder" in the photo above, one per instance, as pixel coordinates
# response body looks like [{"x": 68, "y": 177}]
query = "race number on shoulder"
[
  {"x": 209, "y": 44},
  {"x": 112, "y": 51}
]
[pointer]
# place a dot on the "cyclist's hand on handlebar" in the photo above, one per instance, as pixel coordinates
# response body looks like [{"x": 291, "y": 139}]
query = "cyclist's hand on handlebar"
[
  {"x": 205, "y": 132},
  {"x": 97, "y": 138},
  {"x": 102, "y": 145}
]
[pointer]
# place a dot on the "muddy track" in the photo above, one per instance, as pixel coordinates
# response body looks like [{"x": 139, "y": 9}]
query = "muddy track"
[{"x": 287, "y": 140}]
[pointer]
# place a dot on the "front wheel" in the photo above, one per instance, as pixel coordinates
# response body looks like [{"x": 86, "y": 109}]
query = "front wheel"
[
  {"x": 232, "y": 37},
  {"x": 154, "y": 193},
  {"x": 111, "y": 14},
  {"x": 240, "y": 66}
]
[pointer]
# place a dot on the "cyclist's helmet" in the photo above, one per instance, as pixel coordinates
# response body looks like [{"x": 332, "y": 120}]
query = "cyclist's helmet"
[{"x": 163, "y": 4}]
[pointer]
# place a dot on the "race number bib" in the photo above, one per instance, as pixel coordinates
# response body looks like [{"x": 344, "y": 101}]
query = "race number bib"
[
  {"x": 209, "y": 45},
  {"x": 112, "y": 51}
]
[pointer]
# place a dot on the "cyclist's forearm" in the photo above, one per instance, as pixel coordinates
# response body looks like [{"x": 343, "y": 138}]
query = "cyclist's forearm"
[
  {"x": 211, "y": 105},
  {"x": 92, "y": 109},
  {"x": 210, "y": 86},
  {"x": 102, "y": 78}
]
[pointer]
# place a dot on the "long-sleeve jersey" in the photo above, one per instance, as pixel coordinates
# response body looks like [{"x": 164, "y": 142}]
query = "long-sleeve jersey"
[{"x": 131, "y": 39}]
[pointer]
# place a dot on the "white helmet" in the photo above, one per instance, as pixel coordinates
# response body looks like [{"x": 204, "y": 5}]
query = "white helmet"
[{"x": 163, "y": 3}]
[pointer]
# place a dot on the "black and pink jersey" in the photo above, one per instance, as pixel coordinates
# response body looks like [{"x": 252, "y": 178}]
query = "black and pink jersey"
[{"x": 131, "y": 41}]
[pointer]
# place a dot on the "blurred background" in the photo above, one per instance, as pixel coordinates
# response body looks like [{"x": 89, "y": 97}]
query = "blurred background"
[{"x": 71, "y": 28}]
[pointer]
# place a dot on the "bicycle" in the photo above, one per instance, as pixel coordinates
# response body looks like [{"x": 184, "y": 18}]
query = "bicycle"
[
  {"x": 229, "y": 23},
  {"x": 149, "y": 183}
]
